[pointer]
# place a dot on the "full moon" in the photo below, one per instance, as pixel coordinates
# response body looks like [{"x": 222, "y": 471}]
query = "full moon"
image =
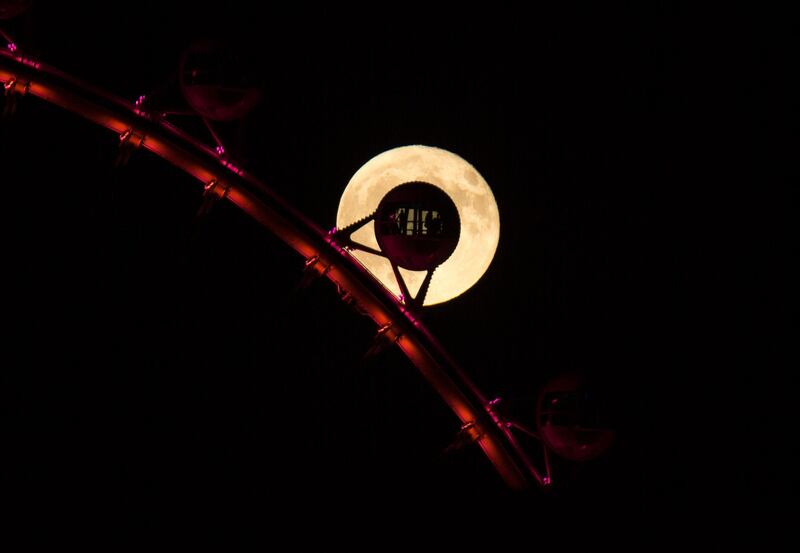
[{"x": 477, "y": 209}]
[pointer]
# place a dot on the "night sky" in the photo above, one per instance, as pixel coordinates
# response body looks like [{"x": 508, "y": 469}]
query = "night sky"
[{"x": 156, "y": 365}]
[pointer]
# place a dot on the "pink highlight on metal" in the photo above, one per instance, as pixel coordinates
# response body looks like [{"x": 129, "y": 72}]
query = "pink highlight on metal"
[
  {"x": 233, "y": 167},
  {"x": 137, "y": 105},
  {"x": 29, "y": 62}
]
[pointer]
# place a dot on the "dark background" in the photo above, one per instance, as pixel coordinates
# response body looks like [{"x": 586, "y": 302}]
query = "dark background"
[{"x": 157, "y": 367}]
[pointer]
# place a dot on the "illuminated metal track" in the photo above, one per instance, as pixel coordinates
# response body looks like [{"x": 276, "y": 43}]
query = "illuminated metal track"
[{"x": 139, "y": 129}]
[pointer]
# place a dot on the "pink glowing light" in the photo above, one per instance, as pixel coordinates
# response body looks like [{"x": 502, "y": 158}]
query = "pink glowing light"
[
  {"x": 138, "y": 104},
  {"x": 236, "y": 169},
  {"x": 29, "y": 62},
  {"x": 11, "y": 47}
]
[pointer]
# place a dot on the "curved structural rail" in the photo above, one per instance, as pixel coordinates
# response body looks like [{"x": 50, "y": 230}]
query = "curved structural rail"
[{"x": 140, "y": 129}]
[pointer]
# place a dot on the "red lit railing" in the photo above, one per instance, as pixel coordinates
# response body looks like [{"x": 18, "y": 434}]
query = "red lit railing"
[{"x": 139, "y": 129}]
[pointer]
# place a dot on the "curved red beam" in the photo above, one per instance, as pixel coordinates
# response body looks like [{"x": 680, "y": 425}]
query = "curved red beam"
[{"x": 24, "y": 76}]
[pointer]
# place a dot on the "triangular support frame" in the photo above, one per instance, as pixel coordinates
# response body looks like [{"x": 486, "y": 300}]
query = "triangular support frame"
[{"x": 344, "y": 237}]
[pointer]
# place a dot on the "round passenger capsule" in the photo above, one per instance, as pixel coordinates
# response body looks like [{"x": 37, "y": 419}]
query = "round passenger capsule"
[{"x": 417, "y": 226}]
